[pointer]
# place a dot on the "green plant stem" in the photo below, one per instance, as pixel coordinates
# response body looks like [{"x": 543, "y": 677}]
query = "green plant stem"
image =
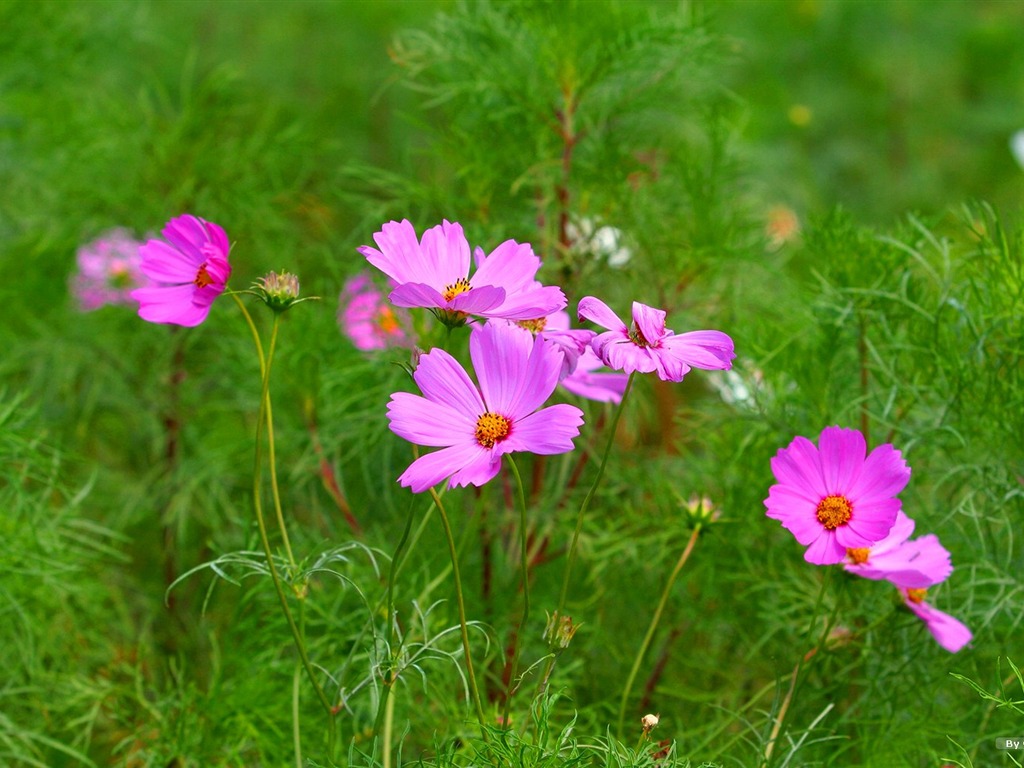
[
  {"x": 391, "y": 676},
  {"x": 473, "y": 689},
  {"x": 794, "y": 677},
  {"x": 654, "y": 625},
  {"x": 571, "y": 556},
  {"x": 296, "y": 677},
  {"x": 261, "y": 523},
  {"x": 271, "y": 456},
  {"x": 524, "y": 564}
]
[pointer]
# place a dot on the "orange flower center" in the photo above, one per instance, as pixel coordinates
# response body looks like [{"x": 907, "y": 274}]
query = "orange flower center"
[
  {"x": 203, "y": 278},
  {"x": 834, "y": 511},
  {"x": 492, "y": 428},
  {"x": 533, "y": 326},
  {"x": 858, "y": 555},
  {"x": 916, "y": 595},
  {"x": 459, "y": 286},
  {"x": 387, "y": 321}
]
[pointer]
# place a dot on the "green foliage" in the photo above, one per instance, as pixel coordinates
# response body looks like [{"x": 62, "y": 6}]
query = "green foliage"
[{"x": 140, "y": 626}]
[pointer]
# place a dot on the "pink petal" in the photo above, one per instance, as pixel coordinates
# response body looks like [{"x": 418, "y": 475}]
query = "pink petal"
[
  {"x": 511, "y": 265},
  {"x": 884, "y": 474},
  {"x": 165, "y": 264},
  {"x": 399, "y": 256},
  {"x": 427, "y": 471},
  {"x": 416, "y": 295},
  {"x": 529, "y": 303},
  {"x": 825, "y": 551},
  {"x": 872, "y": 521},
  {"x": 548, "y": 431},
  {"x": 597, "y": 311},
  {"x": 650, "y": 322},
  {"x": 621, "y": 354},
  {"x": 187, "y": 234},
  {"x": 424, "y": 422},
  {"x": 710, "y": 350},
  {"x": 669, "y": 367},
  {"x": 797, "y": 515},
  {"x": 445, "y": 254},
  {"x": 172, "y": 304},
  {"x": 600, "y": 387},
  {"x": 500, "y": 353},
  {"x": 479, "y": 471},
  {"x": 949, "y": 632},
  {"x": 478, "y": 301},
  {"x": 842, "y": 456},
  {"x": 799, "y": 467},
  {"x": 442, "y": 379}
]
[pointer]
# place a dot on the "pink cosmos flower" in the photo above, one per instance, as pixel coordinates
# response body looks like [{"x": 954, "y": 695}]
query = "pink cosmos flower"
[
  {"x": 920, "y": 563},
  {"x": 588, "y": 381},
  {"x": 832, "y": 498},
  {"x": 475, "y": 426},
  {"x": 367, "y": 319},
  {"x": 189, "y": 272},
  {"x": 434, "y": 273},
  {"x": 108, "y": 270},
  {"x": 649, "y": 346},
  {"x": 949, "y": 632}
]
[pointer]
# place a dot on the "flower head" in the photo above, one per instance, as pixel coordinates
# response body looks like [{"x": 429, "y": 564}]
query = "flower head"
[
  {"x": 368, "y": 320},
  {"x": 108, "y": 270},
  {"x": 649, "y": 346},
  {"x": 279, "y": 291},
  {"x": 832, "y": 498},
  {"x": 476, "y": 425},
  {"x": 189, "y": 272},
  {"x": 920, "y": 563},
  {"x": 434, "y": 273},
  {"x": 949, "y": 632}
]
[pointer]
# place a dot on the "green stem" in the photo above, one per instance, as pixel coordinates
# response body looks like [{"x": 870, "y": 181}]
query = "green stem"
[
  {"x": 654, "y": 625},
  {"x": 780, "y": 717},
  {"x": 474, "y": 691},
  {"x": 390, "y": 674},
  {"x": 270, "y": 432},
  {"x": 571, "y": 557},
  {"x": 524, "y": 564},
  {"x": 296, "y": 677},
  {"x": 261, "y": 522}
]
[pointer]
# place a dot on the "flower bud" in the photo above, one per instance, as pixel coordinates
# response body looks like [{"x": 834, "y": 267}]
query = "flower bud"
[
  {"x": 559, "y": 630},
  {"x": 278, "y": 291},
  {"x": 649, "y": 722}
]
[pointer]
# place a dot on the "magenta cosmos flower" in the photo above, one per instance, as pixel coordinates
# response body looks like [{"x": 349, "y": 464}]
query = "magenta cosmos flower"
[
  {"x": 920, "y": 563},
  {"x": 189, "y": 271},
  {"x": 109, "y": 268},
  {"x": 949, "y": 632},
  {"x": 649, "y": 346},
  {"x": 832, "y": 498},
  {"x": 434, "y": 273},
  {"x": 368, "y": 320},
  {"x": 475, "y": 426}
]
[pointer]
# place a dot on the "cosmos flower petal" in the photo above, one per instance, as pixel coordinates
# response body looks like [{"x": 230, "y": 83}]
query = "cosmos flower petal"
[
  {"x": 511, "y": 265},
  {"x": 399, "y": 256},
  {"x": 785, "y": 503},
  {"x": 597, "y": 386},
  {"x": 596, "y": 311},
  {"x": 798, "y": 466},
  {"x": 710, "y": 350},
  {"x": 442, "y": 379},
  {"x": 164, "y": 264},
  {"x": 425, "y": 422},
  {"x": 170, "y": 304},
  {"x": 825, "y": 550},
  {"x": 445, "y": 253},
  {"x": 649, "y": 321},
  {"x": 430, "y": 469},
  {"x": 188, "y": 235},
  {"x": 480, "y": 469},
  {"x": 550, "y": 430},
  {"x": 885, "y": 473},
  {"x": 623, "y": 355},
  {"x": 416, "y": 295},
  {"x": 949, "y": 632},
  {"x": 919, "y": 564},
  {"x": 842, "y": 454},
  {"x": 500, "y": 353},
  {"x": 669, "y": 367},
  {"x": 873, "y": 520},
  {"x": 529, "y": 303},
  {"x": 478, "y": 301}
]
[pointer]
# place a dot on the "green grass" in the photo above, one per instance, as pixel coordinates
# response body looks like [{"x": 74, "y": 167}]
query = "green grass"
[{"x": 126, "y": 449}]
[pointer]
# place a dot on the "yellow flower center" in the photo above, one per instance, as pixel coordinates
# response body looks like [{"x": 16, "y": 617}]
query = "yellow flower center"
[
  {"x": 916, "y": 595},
  {"x": 834, "y": 511},
  {"x": 858, "y": 555},
  {"x": 492, "y": 428},
  {"x": 459, "y": 286},
  {"x": 203, "y": 278},
  {"x": 533, "y": 326}
]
